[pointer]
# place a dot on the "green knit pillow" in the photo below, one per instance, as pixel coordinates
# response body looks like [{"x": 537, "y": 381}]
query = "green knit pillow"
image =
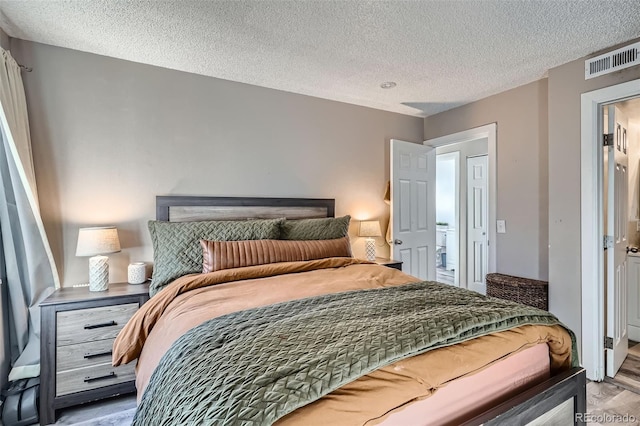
[
  {"x": 327, "y": 228},
  {"x": 177, "y": 250}
]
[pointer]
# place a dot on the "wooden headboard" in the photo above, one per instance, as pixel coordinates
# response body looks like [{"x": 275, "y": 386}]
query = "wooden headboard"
[{"x": 189, "y": 208}]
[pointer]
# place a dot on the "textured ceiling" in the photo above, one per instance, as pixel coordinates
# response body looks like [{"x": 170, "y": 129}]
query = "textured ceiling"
[{"x": 441, "y": 53}]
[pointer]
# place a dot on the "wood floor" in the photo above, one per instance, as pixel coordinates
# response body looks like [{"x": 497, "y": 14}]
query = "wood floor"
[
  {"x": 608, "y": 404},
  {"x": 618, "y": 396},
  {"x": 117, "y": 411},
  {"x": 628, "y": 376}
]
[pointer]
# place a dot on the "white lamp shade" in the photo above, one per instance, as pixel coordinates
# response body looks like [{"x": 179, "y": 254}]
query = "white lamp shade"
[
  {"x": 99, "y": 240},
  {"x": 370, "y": 228}
]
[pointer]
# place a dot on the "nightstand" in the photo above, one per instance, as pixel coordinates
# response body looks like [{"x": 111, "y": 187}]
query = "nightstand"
[
  {"x": 396, "y": 264},
  {"x": 78, "y": 328}
]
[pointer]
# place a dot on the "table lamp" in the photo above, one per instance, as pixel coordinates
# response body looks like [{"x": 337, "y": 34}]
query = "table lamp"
[
  {"x": 369, "y": 229},
  {"x": 97, "y": 242}
]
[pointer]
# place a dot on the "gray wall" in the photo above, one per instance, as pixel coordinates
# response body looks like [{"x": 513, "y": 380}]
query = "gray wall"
[
  {"x": 566, "y": 84},
  {"x": 521, "y": 117},
  {"x": 109, "y": 135}
]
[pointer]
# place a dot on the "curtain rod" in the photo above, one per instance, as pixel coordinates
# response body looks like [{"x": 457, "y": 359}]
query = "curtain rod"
[{"x": 27, "y": 69}]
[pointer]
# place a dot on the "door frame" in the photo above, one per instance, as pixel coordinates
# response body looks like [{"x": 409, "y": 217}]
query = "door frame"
[
  {"x": 591, "y": 223},
  {"x": 488, "y": 131}
]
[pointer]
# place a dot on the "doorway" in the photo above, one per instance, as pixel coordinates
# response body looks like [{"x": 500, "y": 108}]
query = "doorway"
[
  {"x": 465, "y": 207},
  {"x": 621, "y": 222},
  {"x": 608, "y": 218},
  {"x": 447, "y": 217}
]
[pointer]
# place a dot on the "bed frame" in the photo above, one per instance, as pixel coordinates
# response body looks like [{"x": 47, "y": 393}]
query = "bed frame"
[
  {"x": 559, "y": 400},
  {"x": 187, "y": 209}
]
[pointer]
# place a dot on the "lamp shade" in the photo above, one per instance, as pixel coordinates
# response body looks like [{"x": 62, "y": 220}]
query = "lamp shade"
[
  {"x": 370, "y": 228},
  {"x": 99, "y": 240}
]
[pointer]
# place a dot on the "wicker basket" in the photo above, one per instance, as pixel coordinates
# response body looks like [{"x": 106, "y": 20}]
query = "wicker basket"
[{"x": 522, "y": 290}]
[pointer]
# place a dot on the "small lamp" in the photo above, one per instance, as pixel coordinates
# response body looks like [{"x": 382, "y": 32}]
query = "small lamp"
[
  {"x": 370, "y": 228},
  {"x": 96, "y": 242}
]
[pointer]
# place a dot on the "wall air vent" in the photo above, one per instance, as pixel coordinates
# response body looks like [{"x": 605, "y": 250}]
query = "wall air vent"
[{"x": 615, "y": 60}]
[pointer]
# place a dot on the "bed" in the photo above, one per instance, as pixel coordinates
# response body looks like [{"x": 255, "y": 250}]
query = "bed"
[{"x": 508, "y": 372}]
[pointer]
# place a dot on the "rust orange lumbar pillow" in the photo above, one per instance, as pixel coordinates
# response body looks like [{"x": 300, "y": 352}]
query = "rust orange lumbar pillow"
[{"x": 218, "y": 255}]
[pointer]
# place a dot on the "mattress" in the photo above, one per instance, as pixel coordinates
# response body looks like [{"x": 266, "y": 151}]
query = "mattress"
[{"x": 464, "y": 398}]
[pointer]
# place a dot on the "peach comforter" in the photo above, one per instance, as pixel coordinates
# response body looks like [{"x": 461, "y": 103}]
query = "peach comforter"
[{"x": 191, "y": 300}]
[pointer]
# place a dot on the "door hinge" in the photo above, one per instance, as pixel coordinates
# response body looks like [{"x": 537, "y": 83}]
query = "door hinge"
[
  {"x": 607, "y": 139},
  {"x": 608, "y": 342},
  {"x": 607, "y": 241}
]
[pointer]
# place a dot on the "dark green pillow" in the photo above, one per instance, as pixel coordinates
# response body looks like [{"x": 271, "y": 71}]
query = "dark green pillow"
[
  {"x": 177, "y": 250},
  {"x": 327, "y": 228}
]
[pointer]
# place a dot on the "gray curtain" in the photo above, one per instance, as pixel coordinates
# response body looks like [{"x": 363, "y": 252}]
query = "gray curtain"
[
  {"x": 5, "y": 353},
  {"x": 30, "y": 272}
]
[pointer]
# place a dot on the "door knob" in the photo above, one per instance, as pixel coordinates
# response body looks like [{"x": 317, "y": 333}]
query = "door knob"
[{"x": 397, "y": 242}]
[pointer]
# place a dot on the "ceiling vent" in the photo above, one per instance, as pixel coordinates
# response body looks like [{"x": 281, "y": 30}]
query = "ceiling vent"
[{"x": 616, "y": 60}]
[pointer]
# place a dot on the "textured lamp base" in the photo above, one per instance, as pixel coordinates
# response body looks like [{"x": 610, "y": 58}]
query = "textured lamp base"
[
  {"x": 370, "y": 248},
  {"x": 98, "y": 273}
]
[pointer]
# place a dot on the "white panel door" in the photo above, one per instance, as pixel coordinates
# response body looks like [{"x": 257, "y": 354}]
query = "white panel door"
[
  {"x": 477, "y": 222},
  {"x": 413, "y": 213},
  {"x": 617, "y": 223}
]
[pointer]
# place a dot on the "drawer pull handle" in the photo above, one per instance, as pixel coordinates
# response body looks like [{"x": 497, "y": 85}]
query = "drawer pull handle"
[
  {"x": 106, "y": 376},
  {"x": 97, "y": 354},
  {"x": 104, "y": 324}
]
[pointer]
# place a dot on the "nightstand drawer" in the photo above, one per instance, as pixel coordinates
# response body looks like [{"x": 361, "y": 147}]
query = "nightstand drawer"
[
  {"x": 87, "y": 325},
  {"x": 86, "y": 354},
  {"x": 97, "y": 376}
]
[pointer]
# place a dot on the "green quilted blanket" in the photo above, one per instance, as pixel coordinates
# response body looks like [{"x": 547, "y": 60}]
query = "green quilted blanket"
[{"x": 255, "y": 366}]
